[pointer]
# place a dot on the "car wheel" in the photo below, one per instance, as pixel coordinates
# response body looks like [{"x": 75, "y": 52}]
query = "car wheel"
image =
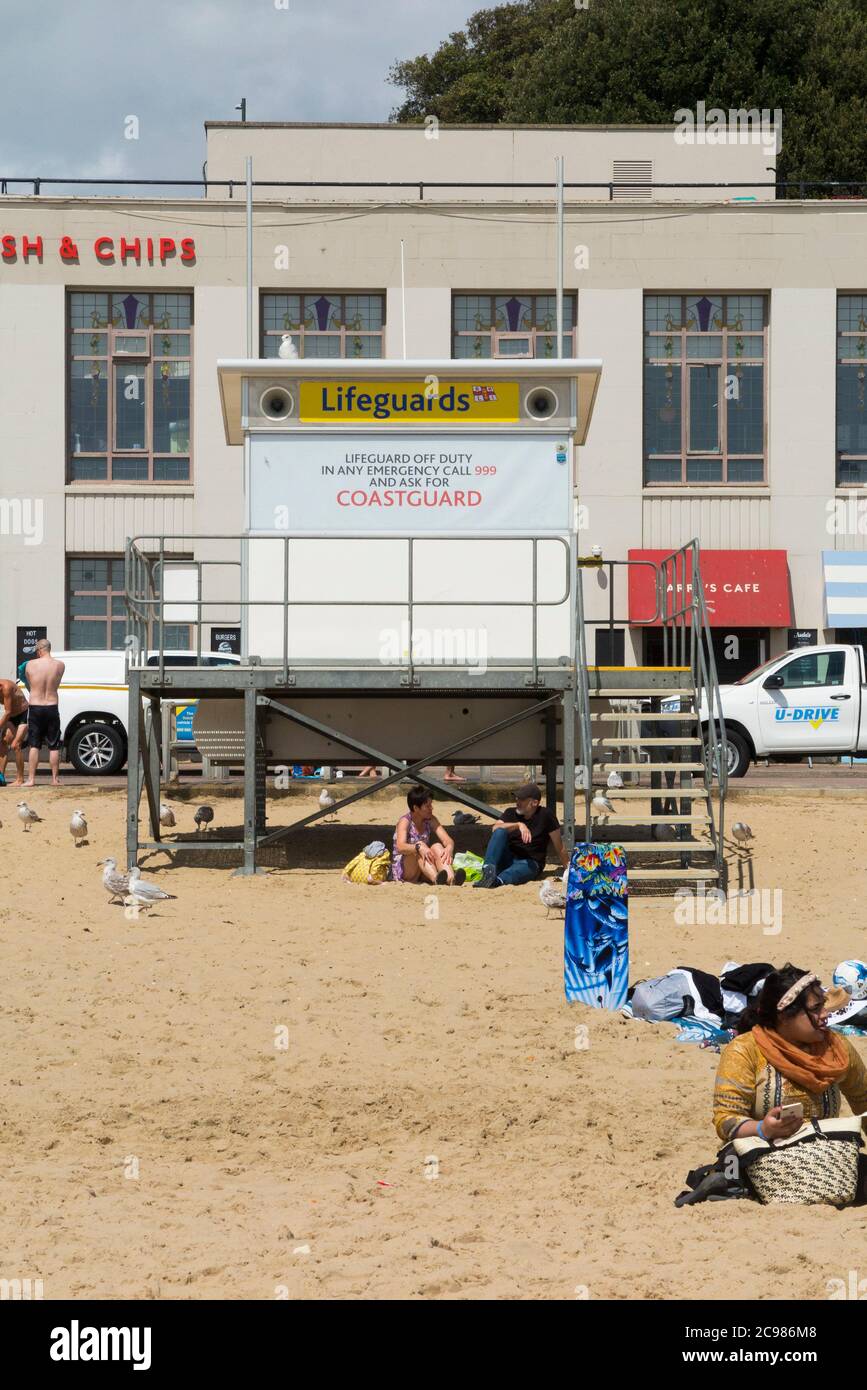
[
  {"x": 97, "y": 750},
  {"x": 737, "y": 753}
]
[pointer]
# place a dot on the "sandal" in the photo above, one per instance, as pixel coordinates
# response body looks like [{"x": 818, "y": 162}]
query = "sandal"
[
  {"x": 441, "y": 878},
  {"x": 460, "y": 877}
]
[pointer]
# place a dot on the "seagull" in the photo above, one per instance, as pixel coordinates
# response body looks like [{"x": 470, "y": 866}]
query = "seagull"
[
  {"x": 601, "y": 806},
  {"x": 116, "y": 885},
  {"x": 580, "y": 778},
  {"x": 167, "y": 815},
  {"x": 203, "y": 817},
  {"x": 742, "y": 832},
  {"x": 664, "y": 832},
  {"x": 552, "y": 895},
  {"x": 287, "y": 348},
  {"x": 463, "y": 818},
  {"x": 78, "y": 828},
  {"x": 326, "y": 801},
  {"x": 144, "y": 892},
  {"x": 27, "y": 816},
  {"x": 614, "y": 780}
]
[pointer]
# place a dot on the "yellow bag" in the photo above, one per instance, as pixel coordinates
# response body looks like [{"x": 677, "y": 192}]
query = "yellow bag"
[{"x": 364, "y": 870}]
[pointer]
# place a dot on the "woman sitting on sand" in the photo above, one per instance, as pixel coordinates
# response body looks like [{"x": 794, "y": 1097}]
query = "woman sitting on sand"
[
  {"x": 414, "y": 858},
  {"x": 785, "y": 1053}
]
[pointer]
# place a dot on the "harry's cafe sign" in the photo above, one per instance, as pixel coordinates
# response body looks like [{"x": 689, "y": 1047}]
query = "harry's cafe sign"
[{"x": 433, "y": 400}]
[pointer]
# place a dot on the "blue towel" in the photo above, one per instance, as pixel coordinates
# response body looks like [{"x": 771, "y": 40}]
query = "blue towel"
[{"x": 596, "y": 946}]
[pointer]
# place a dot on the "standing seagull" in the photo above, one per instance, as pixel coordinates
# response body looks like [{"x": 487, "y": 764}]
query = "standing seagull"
[
  {"x": 143, "y": 892},
  {"x": 742, "y": 832},
  {"x": 203, "y": 817},
  {"x": 27, "y": 816},
  {"x": 78, "y": 828},
  {"x": 601, "y": 806},
  {"x": 115, "y": 884},
  {"x": 614, "y": 781},
  {"x": 167, "y": 815},
  {"x": 326, "y": 801}
]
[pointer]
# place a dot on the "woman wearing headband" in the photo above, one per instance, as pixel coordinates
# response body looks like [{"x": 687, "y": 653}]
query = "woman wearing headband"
[{"x": 785, "y": 1053}]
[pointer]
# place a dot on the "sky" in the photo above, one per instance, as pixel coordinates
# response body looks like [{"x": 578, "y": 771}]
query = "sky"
[{"x": 74, "y": 72}]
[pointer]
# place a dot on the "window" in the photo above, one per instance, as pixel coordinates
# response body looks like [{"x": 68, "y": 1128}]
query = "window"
[
  {"x": 704, "y": 388},
  {"x": 851, "y": 410},
  {"x": 815, "y": 669},
  {"x": 97, "y": 611},
  {"x": 511, "y": 325},
  {"x": 129, "y": 387},
  {"x": 322, "y": 324}
]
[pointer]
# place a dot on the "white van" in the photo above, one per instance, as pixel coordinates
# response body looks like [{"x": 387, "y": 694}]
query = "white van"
[{"x": 94, "y": 705}]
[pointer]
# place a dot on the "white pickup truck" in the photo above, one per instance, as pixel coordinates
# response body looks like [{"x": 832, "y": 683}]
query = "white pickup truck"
[{"x": 807, "y": 702}]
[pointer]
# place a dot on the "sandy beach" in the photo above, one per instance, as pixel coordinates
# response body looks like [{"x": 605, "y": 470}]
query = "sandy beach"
[{"x": 290, "y": 1087}]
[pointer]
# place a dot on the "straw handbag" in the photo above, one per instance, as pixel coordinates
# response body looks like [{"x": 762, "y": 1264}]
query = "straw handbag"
[{"x": 818, "y": 1164}]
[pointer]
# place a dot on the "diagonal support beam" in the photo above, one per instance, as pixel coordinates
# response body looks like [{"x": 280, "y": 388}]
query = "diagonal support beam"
[{"x": 401, "y": 769}]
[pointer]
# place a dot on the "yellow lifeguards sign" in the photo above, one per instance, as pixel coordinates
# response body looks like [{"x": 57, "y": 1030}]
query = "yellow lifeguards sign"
[{"x": 430, "y": 400}]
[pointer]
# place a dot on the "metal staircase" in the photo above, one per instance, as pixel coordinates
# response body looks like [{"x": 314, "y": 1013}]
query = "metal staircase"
[{"x": 644, "y": 724}]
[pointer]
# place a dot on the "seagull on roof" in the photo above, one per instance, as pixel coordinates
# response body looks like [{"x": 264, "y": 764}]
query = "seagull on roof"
[
  {"x": 78, "y": 828},
  {"x": 287, "y": 348}
]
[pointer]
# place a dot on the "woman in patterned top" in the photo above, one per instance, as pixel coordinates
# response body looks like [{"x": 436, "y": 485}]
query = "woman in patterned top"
[
  {"x": 785, "y": 1052},
  {"x": 414, "y": 858}
]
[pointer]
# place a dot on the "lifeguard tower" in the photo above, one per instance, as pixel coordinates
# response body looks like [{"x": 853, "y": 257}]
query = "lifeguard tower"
[{"x": 407, "y": 581}]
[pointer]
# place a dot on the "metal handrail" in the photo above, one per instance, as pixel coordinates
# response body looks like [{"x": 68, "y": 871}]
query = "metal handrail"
[
  {"x": 146, "y": 555},
  {"x": 582, "y": 702}
]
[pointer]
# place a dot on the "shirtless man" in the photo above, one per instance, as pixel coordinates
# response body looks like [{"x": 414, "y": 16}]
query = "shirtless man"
[
  {"x": 13, "y": 727},
  {"x": 43, "y": 675}
]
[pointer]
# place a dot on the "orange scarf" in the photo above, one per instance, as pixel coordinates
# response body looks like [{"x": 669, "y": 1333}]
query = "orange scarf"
[{"x": 815, "y": 1071}]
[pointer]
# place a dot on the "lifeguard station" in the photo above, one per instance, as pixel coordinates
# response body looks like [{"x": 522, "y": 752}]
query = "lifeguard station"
[{"x": 407, "y": 581}]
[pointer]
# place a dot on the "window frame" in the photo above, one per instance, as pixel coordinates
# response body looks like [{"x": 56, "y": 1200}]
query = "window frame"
[
  {"x": 684, "y": 363},
  {"x": 109, "y": 593},
  {"x": 342, "y": 333},
  {"x": 110, "y": 361},
  {"x": 841, "y": 456},
  {"x": 496, "y": 335}
]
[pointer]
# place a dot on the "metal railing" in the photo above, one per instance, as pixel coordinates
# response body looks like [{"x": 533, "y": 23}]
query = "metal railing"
[
  {"x": 680, "y": 610},
  {"x": 804, "y": 188},
  {"x": 146, "y": 559}
]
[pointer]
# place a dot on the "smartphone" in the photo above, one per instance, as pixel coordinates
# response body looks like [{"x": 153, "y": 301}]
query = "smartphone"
[{"x": 793, "y": 1111}]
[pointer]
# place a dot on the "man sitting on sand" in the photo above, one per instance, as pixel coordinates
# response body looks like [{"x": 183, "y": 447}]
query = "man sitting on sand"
[
  {"x": 43, "y": 674},
  {"x": 519, "y": 841},
  {"x": 13, "y": 728}
]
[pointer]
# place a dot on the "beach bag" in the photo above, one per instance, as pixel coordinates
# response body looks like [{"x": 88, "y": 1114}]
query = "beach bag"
[
  {"x": 369, "y": 867},
  {"x": 472, "y": 865},
  {"x": 817, "y": 1165}
]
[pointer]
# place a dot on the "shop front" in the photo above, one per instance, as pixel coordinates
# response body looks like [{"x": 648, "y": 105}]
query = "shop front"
[
  {"x": 845, "y": 575},
  {"x": 747, "y": 594}
]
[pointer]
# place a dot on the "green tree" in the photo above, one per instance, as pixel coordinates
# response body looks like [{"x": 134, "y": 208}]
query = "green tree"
[{"x": 639, "y": 61}]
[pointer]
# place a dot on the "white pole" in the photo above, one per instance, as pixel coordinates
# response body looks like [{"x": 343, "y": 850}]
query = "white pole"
[
  {"x": 560, "y": 167},
  {"x": 249, "y": 256},
  {"x": 403, "y": 294}
]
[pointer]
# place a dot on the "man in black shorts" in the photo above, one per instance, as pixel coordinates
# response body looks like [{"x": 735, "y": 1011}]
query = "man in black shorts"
[
  {"x": 519, "y": 841},
  {"x": 13, "y": 728},
  {"x": 44, "y": 674}
]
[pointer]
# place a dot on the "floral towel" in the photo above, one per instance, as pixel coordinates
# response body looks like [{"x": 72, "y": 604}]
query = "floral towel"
[{"x": 596, "y": 965}]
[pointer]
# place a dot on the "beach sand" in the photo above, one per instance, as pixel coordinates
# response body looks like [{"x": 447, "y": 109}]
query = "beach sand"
[{"x": 285, "y": 1086}]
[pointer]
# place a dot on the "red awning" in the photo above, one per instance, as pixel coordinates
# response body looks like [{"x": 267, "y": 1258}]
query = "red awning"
[{"x": 742, "y": 588}]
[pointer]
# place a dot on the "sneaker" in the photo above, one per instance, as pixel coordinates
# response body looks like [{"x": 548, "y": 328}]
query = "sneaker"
[
  {"x": 2, "y": 780},
  {"x": 488, "y": 878}
]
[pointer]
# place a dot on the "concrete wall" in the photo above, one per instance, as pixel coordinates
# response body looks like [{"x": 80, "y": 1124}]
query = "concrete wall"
[{"x": 481, "y": 154}]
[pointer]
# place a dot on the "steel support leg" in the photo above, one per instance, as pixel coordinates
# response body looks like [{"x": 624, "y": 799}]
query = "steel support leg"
[
  {"x": 551, "y": 758},
  {"x": 133, "y": 766},
  {"x": 251, "y": 722},
  {"x": 569, "y": 768},
  {"x": 154, "y": 739}
]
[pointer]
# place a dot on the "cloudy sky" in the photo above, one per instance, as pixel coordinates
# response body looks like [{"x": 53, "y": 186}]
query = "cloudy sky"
[{"x": 73, "y": 73}]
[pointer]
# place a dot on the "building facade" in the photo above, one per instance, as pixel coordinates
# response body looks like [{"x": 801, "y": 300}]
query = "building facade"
[{"x": 732, "y": 328}]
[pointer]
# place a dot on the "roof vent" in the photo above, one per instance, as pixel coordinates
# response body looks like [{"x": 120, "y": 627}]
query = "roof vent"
[{"x": 636, "y": 175}]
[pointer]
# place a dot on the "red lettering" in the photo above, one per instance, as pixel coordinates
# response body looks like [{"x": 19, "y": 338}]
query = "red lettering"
[
  {"x": 130, "y": 248},
  {"x": 8, "y": 243},
  {"x": 473, "y": 499},
  {"x": 188, "y": 249},
  {"x": 150, "y": 248},
  {"x": 103, "y": 248},
  {"x": 31, "y": 248},
  {"x": 340, "y": 499},
  {"x": 167, "y": 247}
]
